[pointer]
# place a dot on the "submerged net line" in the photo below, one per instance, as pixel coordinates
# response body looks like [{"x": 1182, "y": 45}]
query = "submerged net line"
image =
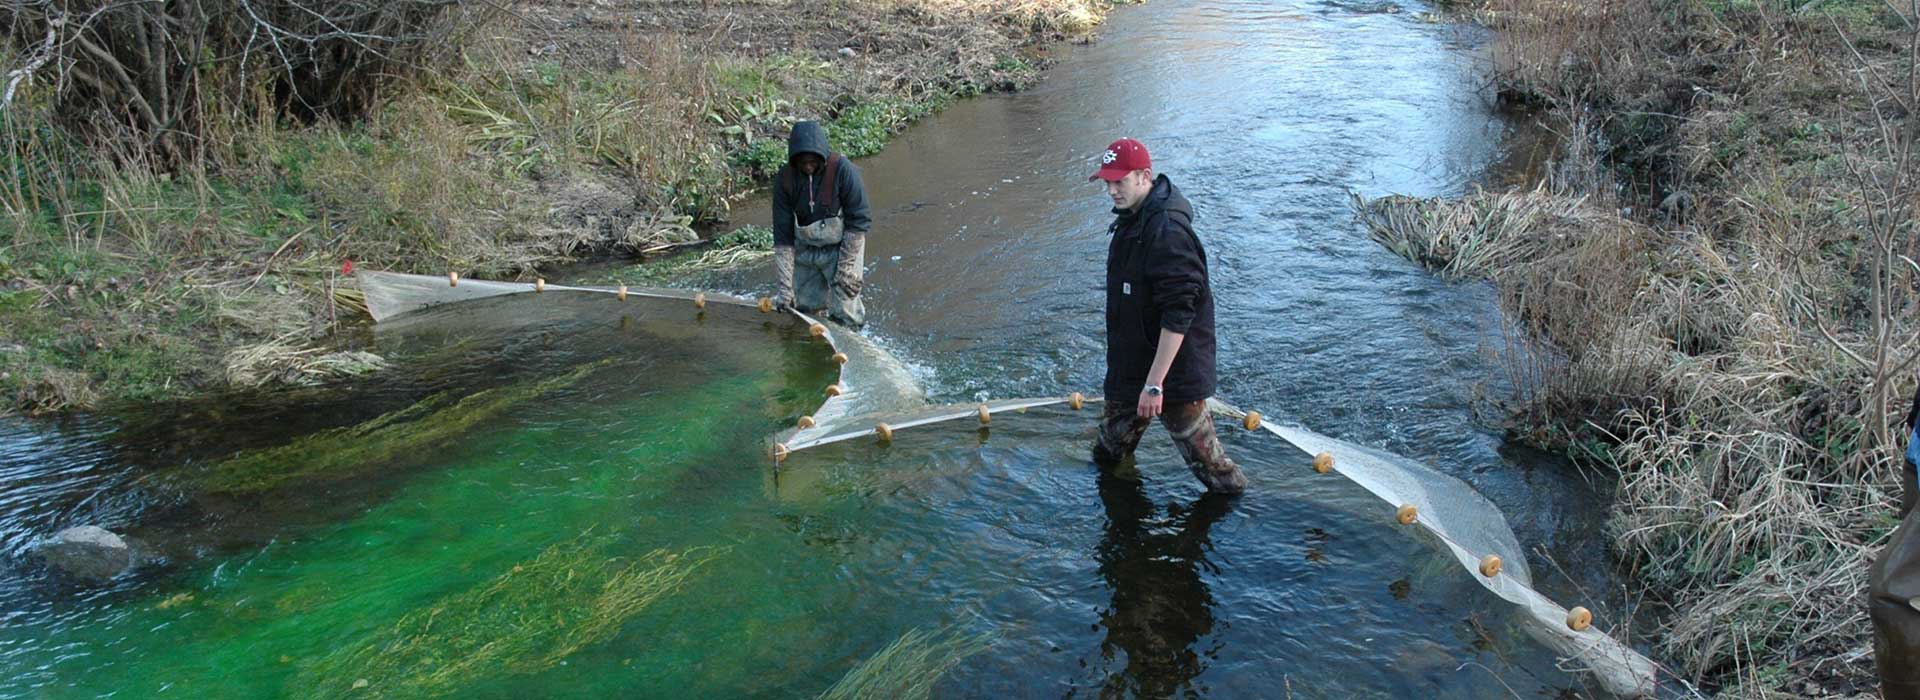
[{"x": 875, "y": 397}]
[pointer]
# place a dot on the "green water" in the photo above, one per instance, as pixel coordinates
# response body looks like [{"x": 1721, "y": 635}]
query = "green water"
[
  {"x": 570, "y": 497},
  {"x": 659, "y": 453}
]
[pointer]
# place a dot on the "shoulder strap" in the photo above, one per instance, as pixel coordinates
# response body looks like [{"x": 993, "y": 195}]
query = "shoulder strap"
[
  {"x": 791, "y": 183},
  {"x": 833, "y": 179}
]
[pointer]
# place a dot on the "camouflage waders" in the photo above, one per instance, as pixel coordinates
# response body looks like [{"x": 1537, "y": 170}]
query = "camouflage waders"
[{"x": 1191, "y": 427}]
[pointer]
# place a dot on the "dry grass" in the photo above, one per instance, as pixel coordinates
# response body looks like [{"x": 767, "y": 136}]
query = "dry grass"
[
  {"x": 1751, "y": 492},
  {"x": 284, "y": 363},
  {"x": 1741, "y": 355},
  {"x": 562, "y": 130},
  {"x": 1061, "y": 16}
]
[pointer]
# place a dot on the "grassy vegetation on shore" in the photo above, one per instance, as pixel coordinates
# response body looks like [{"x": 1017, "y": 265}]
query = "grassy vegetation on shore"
[
  {"x": 1715, "y": 296},
  {"x": 142, "y": 262}
]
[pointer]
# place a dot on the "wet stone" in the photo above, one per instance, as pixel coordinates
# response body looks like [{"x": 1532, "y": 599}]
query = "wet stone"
[{"x": 87, "y": 551}]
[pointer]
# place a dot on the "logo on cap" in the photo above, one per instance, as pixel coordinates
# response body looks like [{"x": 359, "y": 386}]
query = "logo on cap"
[{"x": 1122, "y": 157}]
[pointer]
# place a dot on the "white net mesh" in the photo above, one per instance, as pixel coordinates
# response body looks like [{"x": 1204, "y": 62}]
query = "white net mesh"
[
  {"x": 1469, "y": 527},
  {"x": 876, "y": 395}
]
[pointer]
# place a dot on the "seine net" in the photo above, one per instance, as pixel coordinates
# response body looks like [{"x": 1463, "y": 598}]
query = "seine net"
[{"x": 875, "y": 396}]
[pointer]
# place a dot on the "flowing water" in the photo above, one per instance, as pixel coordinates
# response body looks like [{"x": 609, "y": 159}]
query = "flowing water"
[{"x": 567, "y": 496}]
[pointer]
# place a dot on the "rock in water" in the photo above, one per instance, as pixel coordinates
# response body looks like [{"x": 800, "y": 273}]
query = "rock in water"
[{"x": 88, "y": 552}]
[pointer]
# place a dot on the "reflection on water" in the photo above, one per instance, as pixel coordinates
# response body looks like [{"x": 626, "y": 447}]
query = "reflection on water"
[{"x": 1161, "y": 609}]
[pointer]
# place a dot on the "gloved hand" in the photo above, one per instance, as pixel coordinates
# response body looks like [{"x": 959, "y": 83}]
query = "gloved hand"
[
  {"x": 851, "y": 270},
  {"x": 783, "y": 276}
]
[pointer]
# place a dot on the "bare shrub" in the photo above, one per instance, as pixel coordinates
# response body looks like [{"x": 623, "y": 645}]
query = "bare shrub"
[{"x": 169, "y": 75}]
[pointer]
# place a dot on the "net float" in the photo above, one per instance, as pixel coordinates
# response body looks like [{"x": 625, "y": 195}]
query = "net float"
[{"x": 1579, "y": 619}]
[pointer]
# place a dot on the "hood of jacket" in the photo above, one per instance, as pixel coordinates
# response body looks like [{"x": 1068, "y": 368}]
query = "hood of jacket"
[
  {"x": 808, "y": 138},
  {"x": 1164, "y": 197}
]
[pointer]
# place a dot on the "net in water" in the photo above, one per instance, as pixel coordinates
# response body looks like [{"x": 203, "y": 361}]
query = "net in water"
[{"x": 875, "y": 396}]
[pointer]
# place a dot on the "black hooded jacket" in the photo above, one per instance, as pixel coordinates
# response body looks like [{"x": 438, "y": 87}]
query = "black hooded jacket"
[
  {"x": 1157, "y": 279},
  {"x": 796, "y": 193}
]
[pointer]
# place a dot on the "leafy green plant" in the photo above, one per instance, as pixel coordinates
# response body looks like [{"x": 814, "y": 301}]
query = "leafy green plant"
[
  {"x": 743, "y": 116},
  {"x": 765, "y": 156}
]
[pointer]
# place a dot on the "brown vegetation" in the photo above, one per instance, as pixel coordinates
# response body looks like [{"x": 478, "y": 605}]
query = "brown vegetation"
[
  {"x": 184, "y": 181},
  {"x": 1716, "y": 299}
]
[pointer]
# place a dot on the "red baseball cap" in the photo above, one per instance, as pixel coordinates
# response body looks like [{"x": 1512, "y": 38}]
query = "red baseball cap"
[{"x": 1122, "y": 157}]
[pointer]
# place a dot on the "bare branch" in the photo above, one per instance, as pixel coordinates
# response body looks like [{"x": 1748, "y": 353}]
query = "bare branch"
[{"x": 25, "y": 73}]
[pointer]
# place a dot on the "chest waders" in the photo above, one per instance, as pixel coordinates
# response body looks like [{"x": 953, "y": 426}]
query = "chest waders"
[
  {"x": 1893, "y": 593},
  {"x": 825, "y": 271}
]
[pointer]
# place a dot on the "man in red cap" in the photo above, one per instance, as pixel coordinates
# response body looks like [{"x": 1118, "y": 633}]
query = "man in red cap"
[{"x": 1160, "y": 357}]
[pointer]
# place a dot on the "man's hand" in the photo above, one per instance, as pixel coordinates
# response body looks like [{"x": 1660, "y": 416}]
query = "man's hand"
[
  {"x": 1150, "y": 405},
  {"x": 1170, "y": 342}
]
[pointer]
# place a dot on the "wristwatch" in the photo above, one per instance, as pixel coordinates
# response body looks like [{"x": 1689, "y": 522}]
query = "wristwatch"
[{"x": 1153, "y": 390}]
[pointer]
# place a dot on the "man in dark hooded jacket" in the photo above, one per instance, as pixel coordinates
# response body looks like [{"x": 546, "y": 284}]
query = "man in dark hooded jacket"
[
  {"x": 1893, "y": 584},
  {"x": 1160, "y": 356},
  {"x": 820, "y": 225}
]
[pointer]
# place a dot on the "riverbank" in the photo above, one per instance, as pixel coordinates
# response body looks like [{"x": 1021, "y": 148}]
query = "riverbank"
[
  {"x": 552, "y": 130},
  {"x": 1714, "y": 300}
]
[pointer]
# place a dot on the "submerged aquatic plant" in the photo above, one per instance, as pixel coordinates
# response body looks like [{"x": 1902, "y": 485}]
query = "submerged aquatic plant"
[
  {"x": 744, "y": 246},
  {"x": 526, "y": 620},
  {"x": 909, "y": 667},
  {"x": 358, "y": 448}
]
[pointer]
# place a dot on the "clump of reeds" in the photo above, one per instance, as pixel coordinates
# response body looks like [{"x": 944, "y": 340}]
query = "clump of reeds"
[
  {"x": 909, "y": 668},
  {"x": 369, "y": 445},
  {"x": 281, "y": 361},
  {"x": 526, "y": 620}
]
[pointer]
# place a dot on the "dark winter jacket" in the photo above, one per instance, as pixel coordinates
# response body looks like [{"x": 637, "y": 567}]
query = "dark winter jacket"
[
  {"x": 1893, "y": 592},
  {"x": 796, "y": 193},
  {"x": 1157, "y": 279}
]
